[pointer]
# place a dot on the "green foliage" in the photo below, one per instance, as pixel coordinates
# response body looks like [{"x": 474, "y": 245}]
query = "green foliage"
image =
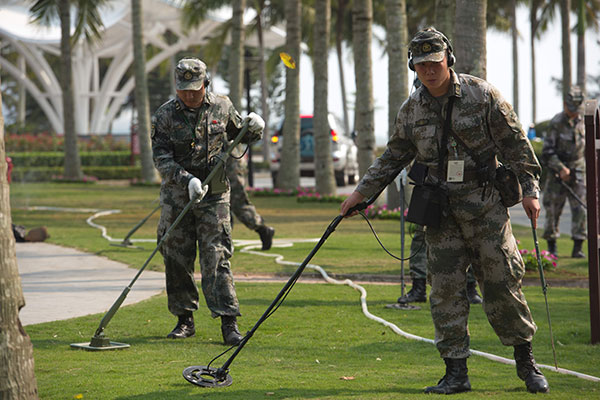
[
  {"x": 531, "y": 263},
  {"x": 44, "y": 174},
  {"x": 51, "y": 142},
  {"x": 56, "y": 159}
]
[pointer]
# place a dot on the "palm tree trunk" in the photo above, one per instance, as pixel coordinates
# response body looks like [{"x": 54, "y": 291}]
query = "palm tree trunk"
[
  {"x": 339, "y": 38},
  {"x": 262, "y": 66},
  {"x": 72, "y": 160},
  {"x": 236, "y": 59},
  {"x": 470, "y": 41},
  {"x": 397, "y": 37},
  {"x": 289, "y": 171},
  {"x": 533, "y": 24},
  {"x": 362, "y": 20},
  {"x": 16, "y": 351},
  {"x": 565, "y": 9},
  {"x": 149, "y": 173},
  {"x": 581, "y": 25},
  {"x": 515, "y": 57},
  {"x": 445, "y": 10},
  {"x": 325, "y": 183}
]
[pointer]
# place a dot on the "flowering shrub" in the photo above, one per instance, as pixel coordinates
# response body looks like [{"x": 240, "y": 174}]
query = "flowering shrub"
[
  {"x": 41, "y": 142},
  {"x": 85, "y": 179},
  {"x": 531, "y": 263},
  {"x": 309, "y": 195},
  {"x": 268, "y": 192},
  {"x": 383, "y": 212}
]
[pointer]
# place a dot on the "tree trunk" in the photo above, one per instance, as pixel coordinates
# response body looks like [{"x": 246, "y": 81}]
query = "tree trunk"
[
  {"x": 72, "y": 160},
  {"x": 533, "y": 25},
  {"x": 262, "y": 66},
  {"x": 325, "y": 181},
  {"x": 16, "y": 352},
  {"x": 397, "y": 37},
  {"x": 22, "y": 101},
  {"x": 236, "y": 58},
  {"x": 445, "y": 10},
  {"x": 339, "y": 39},
  {"x": 565, "y": 9},
  {"x": 289, "y": 170},
  {"x": 515, "y": 53},
  {"x": 581, "y": 25},
  {"x": 362, "y": 19},
  {"x": 149, "y": 173},
  {"x": 469, "y": 41}
]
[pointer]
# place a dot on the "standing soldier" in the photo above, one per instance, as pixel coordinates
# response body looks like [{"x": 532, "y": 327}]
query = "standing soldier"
[
  {"x": 241, "y": 206},
  {"x": 473, "y": 225},
  {"x": 564, "y": 155},
  {"x": 189, "y": 134}
]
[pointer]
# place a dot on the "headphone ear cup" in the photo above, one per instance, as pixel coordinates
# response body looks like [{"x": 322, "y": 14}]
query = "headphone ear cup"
[
  {"x": 411, "y": 65},
  {"x": 451, "y": 59}
]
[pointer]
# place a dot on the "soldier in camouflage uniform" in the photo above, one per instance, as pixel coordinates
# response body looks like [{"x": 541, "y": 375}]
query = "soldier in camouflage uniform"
[
  {"x": 189, "y": 133},
  {"x": 241, "y": 206},
  {"x": 475, "y": 227},
  {"x": 563, "y": 154}
]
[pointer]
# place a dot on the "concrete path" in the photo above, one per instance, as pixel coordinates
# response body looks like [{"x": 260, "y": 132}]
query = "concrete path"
[{"x": 61, "y": 283}]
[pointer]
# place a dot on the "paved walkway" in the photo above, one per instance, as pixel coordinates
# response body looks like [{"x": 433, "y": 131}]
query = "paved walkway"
[{"x": 61, "y": 283}]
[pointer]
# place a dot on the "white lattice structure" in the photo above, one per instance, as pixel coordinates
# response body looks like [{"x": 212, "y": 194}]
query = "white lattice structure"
[{"x": 98, "y": 98}]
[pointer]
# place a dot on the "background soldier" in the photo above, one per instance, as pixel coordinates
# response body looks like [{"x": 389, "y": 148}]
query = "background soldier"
[
  {"x": 189, "y": 133},
  {"x": 564, "y": 155},
  {"x": 241, "y": 206},
  {"x": 475, "y": 227}
]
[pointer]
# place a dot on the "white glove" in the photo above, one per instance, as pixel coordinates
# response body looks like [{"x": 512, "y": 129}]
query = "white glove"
[
  {"x": 255, "y": 123},
  {"x": 196, "y": 189}
]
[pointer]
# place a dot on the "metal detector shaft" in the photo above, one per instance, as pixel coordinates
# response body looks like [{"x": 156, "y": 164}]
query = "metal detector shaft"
[
  {"x": 222, "y": 372},
  {"x": 402, "y": 238},
  {"x": 111, "y": 312},
  {"x": 544, "y": 289},
  {"x": 571, "y": 191}
]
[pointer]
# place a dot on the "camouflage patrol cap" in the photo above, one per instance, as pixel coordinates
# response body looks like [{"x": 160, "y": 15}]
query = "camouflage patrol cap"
[
  {"x": 428, "y": 45},
  {"x": 190, "y": 74},
  {"x": 574, "y": 98}
]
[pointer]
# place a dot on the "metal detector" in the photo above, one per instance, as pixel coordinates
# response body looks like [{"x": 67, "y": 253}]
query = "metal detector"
[
  {"x": 99, "y": 340},
  {"x": 126, "y": 242},
  {"x": 207, "y": 376},
  {"x": 402, "y": 306},
  {"x": 571, "y": 191}
]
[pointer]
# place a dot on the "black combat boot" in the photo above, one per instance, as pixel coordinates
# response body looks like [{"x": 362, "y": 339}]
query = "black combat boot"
[
  {"x": 528, "y": 371},
  {"x": 577, "y": 251},
  {"x": 472, "y": 294},
  {"x": 552, "y": 247},
  {"x": 417, "y": 294},
  {"x": 184, "y": 327},
  {"x": 455, "y": 380},
  {"x": 229, "y": 329},
  {"x": 266, "y": 234}
]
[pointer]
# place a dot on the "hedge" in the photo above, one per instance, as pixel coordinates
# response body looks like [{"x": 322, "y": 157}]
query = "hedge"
[
  {"x": 38, "y": 174},
  {"x": 56, "y": 159}
]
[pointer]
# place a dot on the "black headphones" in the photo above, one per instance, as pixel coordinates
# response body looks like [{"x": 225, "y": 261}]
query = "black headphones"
[
  {"x": 206, "y": 80},
  {"x": 449, "y": 50}
]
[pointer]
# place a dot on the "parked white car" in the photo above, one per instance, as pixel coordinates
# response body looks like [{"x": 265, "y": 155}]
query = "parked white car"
[{"x": 343, "y": 151}]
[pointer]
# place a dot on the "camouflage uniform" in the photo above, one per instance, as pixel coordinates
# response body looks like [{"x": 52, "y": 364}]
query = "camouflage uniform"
[
  {"x": 241, "y": 206},
  {"x": 564, "y": 146},
  {"x": 185, "y": 144},
  {"x": 476, "y": 228}
]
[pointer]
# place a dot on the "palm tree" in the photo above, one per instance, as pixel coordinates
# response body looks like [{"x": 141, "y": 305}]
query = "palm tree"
[
  {"x": 538, "y": 22},
  {"x": 325, "y": 183},
  {"x": 236, "y": 54},
  {"x": 469, "y": 34},
  {"x": 341, "y": 10},
  {"x": 18, "y": 376},
  {"x": 362, "y": 20},
  {"x": 149, "y": 173},
  {"x": 587, "y": 16},
  {"x": 565, "y": 10},
  {"x": 445, "y": 11},
  {"x": 515, "y": 58},
  {"x": 89, "y": 24},
  {"x": 396, "y": 39},
  {"x": 289, "y": 171}
]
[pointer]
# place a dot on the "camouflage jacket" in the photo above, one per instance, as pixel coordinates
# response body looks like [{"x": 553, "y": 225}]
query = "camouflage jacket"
[
  {"x": 484, "y": 121},
  {"x": 564, "y": 144},
  {"x": 186, "y": 143}
]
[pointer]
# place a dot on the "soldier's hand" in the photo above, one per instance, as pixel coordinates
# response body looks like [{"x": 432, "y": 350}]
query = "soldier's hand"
[
  {"x": 531, "y": 205},
  {"x": 565, "y": 174},
  {"x": 196, "y": 189},
  {"x": 350, "y": 202},
  {"x": 255, "y": 123}
]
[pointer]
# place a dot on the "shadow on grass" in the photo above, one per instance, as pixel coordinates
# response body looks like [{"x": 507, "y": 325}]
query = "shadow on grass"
[{"x": 279, "y": 393}]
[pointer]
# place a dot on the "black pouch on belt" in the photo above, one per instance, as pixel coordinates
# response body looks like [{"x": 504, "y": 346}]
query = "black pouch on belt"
[
  {"x": 508, "y": 185},
  {"x": 427, "y": 205}
]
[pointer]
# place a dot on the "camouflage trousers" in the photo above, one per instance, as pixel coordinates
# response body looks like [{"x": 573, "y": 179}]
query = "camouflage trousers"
[
  {"x": 418, "y": 256},
  {"x": 555, "y": 196},
  {"x": 489, "y": 245},
  {"x": 241, "y": 206},
  {"x": 207, "y": 227}
]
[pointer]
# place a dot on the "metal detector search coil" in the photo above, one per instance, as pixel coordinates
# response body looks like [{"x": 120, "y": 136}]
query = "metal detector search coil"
[{"x": 204, "y": 376}]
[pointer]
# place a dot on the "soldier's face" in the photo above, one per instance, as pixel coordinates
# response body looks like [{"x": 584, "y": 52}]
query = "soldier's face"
[
  {"x": 192, "y": 98},
  {"x": 435, "y": 76}
]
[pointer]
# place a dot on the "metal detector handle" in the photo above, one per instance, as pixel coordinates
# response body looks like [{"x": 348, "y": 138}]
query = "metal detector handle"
[{"x": 222, "y": 159}]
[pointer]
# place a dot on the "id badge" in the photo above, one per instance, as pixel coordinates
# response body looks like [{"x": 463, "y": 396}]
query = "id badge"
[{"x": 456, "y": 170}]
